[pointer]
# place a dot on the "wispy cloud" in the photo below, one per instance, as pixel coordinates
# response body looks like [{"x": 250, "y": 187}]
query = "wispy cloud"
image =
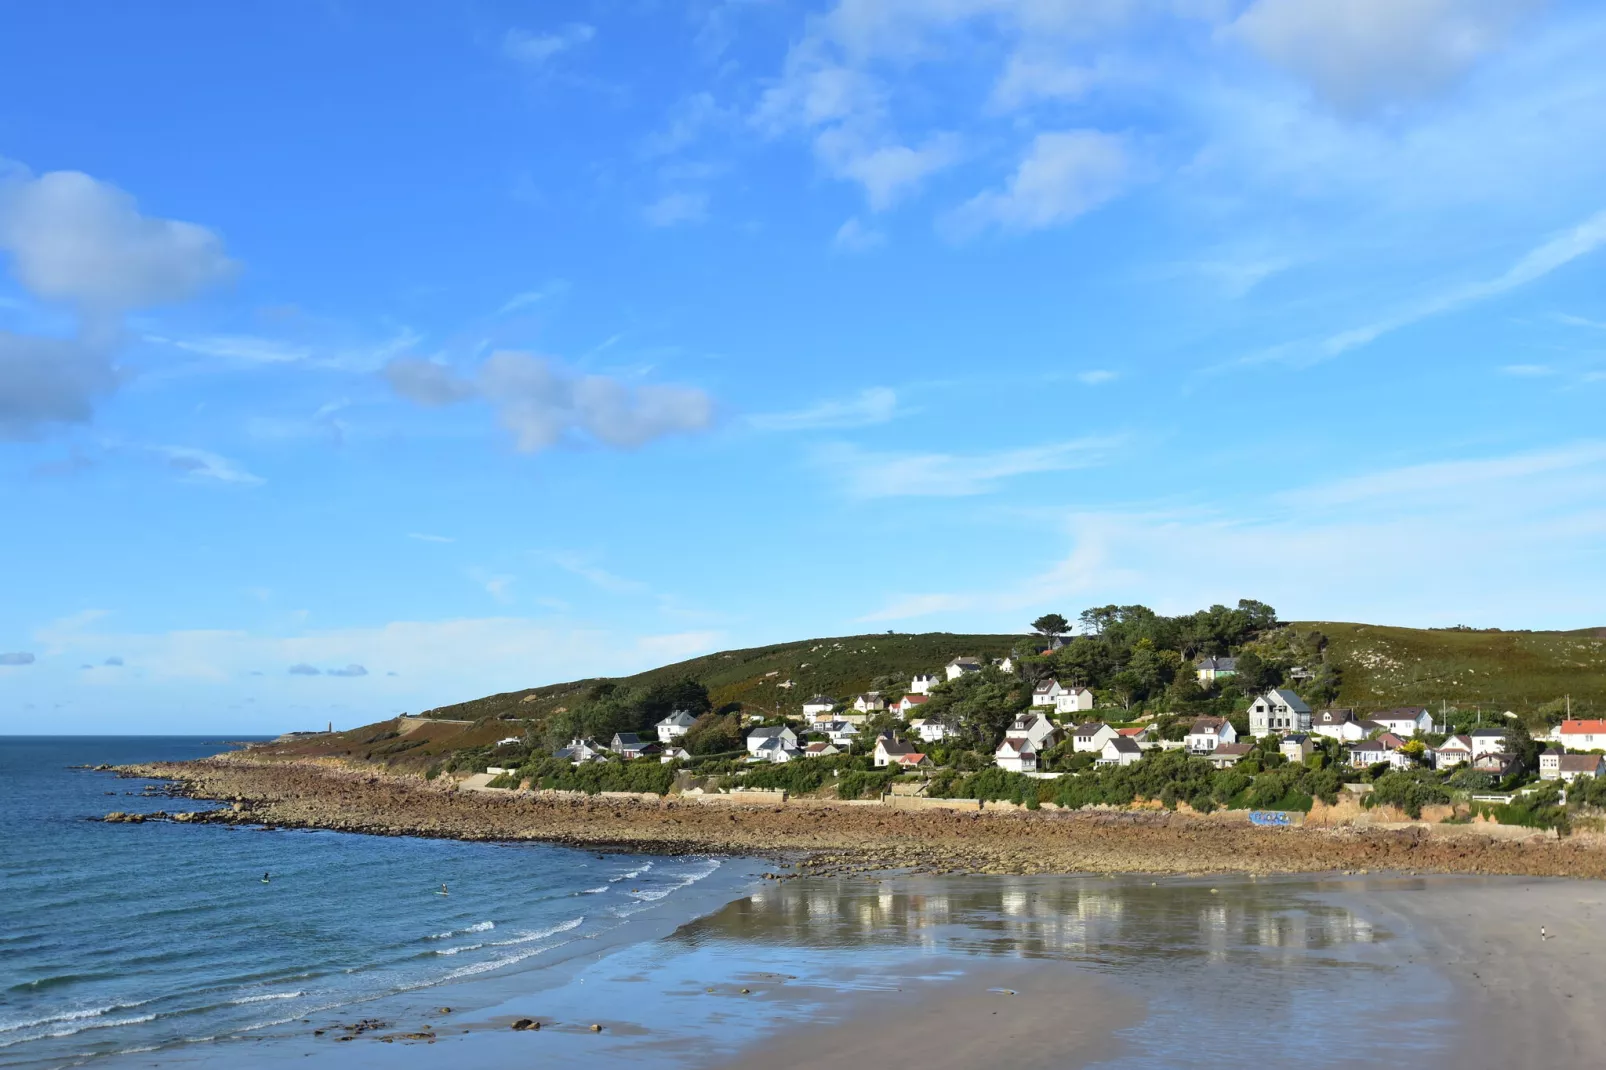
[
  {"x": 875, "y": 405},
  {"x": 675, "y": 209},
  {"x": 422, "y": 537},
  {"x": 1557, "y": 252},
  {"x": 1529, "y": 371},
  {"x": 947, "y": 475},
  {"x": 854, "y": 236},
  {"x": 202, "y": 466},
  {"x": 599, "y": 577},
  {"x": 1096, "y": 377},
  {"x": 538, "y": 49},
  {"x": 529, "y": 298}
]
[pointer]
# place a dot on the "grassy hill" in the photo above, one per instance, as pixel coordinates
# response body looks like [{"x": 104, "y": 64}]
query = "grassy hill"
[
  {"x": 1383, "y": 667},
  {"x": 1518, "y": 671},
  {"x": 754, "y": 677}
]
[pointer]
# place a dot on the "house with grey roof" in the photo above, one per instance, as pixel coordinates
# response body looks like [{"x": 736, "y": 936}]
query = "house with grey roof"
[
  {"x": 1209, "y": 670},
  {"x": 960, "y": 666},
  {"x": 1278, "y": 711},
  {"x": 1091, "y": 737},
  {"x": 1119, "y": 750},
  {"x": 758, "y": 737},
  {"x": 674, "y": 726}
]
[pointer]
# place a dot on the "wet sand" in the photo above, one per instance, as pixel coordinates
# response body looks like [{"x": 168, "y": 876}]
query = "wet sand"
[
  {"x": 1529, "y": 1002},
  {"x": 1034, "y": 1016}
]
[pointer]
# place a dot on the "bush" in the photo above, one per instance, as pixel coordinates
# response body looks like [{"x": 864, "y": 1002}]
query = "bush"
[
  {"x": 1410, "y": 791},
  {"x": 862, "y": 784}
]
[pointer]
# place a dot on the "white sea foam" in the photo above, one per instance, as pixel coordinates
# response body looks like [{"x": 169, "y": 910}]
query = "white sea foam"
[
  {"x": 632, "y": 875},
  {"x": 93, "y": 1023},
  {"x": 460, "y": 948},
  {"x": 477, "y": 927},
  {"x": 71, "y": 1016},
  {"x": 595, "y": 891},
  {"x": 541, "y": 934},
  {"x": 652, "y": 895},
  {"x": 264, "y": 997}
]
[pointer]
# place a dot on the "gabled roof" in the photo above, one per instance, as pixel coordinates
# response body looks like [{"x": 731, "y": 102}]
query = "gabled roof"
[
  {"x": 1489, "y": 733},
  {"x": 1015, "y": 744},
  {"x": 916, "y": 700},
  {"x": 1334, "y": 717},
  {"x": 1138, "y": 731},
  {"x": 1369, "y": 726},
  {"x": 1295, "y": 737},
  {"x": 893, "y": 747},
  {"x": 1045, "y": 687},
  {"x": 1219, "y": 664},
  {"x": 1583, "y": 727},
  {"x": 1123, "y": 745},
  {"x": 1233, "y": 749},
  {"x": 966, "y": 662},
  {"x": 1207, "y": 726},
  {"x": 678, "y": 719},
  {"x": 773, "y": 732},
  {"x": 1455, "y": 743},
  {"x": 1289, "y": 699},
  {"x": 1580, "y": 763},
  {"x": 821, "y": 700},
  {"x": 626, "y": 739},
  {"x": 1091, "y": 729},
  {"x": 1400, "y": 713}
]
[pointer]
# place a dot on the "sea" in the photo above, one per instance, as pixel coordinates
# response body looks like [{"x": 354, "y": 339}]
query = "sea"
[
  {"x": 119, "y": 939},
  {"x": 179, "y": 945}
]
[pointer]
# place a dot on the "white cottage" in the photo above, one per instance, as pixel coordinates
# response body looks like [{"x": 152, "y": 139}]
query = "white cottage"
[
  {"x": 1454, "y": 751},
  {"x": 922, "y": 684},
  {"x": 1582, "y": 735},
  {"x": 960, "y": 666},
  {"x": 1073, "y": 700},
  {"x": 1405, "y": 721},
  {"x": 1487, "y": 741},
  {"x": 869, "y": 702},
  {"x": 1039, "y": 729},
  {"x": 1338, "y": 724},
  {"x": 674, "y": 726},
  {"x": 818, "y": 704},
  {"x": 1047, "y": 693},
  {"x": 1119, "y": 751},
  {"x": 1208, "y": 733},
  {"x": 758, "y": 737},
  {"x": 1092, "y": 737},
  {"x": 1015, "y": 755}
]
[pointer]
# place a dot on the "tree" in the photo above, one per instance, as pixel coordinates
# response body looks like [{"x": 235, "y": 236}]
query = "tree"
[{"x": 1050, "y": 625}]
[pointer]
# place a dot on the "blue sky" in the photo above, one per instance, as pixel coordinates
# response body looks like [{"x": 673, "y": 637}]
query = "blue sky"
[{"x": 362, "y": 357}]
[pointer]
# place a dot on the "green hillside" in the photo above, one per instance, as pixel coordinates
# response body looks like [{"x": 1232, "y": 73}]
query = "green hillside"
[
  {"x": 1381, "y": 667},
  {"x": 839, "y": 667},
  {"x": 1520, "y": 671}
]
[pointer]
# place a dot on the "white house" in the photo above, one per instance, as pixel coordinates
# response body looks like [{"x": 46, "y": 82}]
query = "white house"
[
  {"x": 759, "y": 736},
  {"x": 674, "y": 754},
  {"x": 1208, "y": 670},
  {"x": 1073, "y": 700},
  {"x": 869, "y": 702},
  {"x": 581, "y": 750},
  {"x": 820, "y": 750},
  {"x": 922, "y": 684},
  {"x": 1006, "y": 663},
  {"x": 1338, "y": 724},
  {"x": 960, "y": 666},
  {"x": 1495, "y": 762},
  {"x": 1039, "y": 729},
  {"x": 1047, "y": 693},
  {"x": 1385, "y": 748},
  {"x": 1208, "y": 733},
  {"x": 1454, "y": 751},
  {"x": 674, "y": 726},
  {"x": 818, "y": 704},
  {"x": 1278, "y": 710},
  {"x": 840, "y": 733},
  {"x": 930, "y": 731},
  {"x": 888, "y": 750},
  {"x": 1119, "y": 751},
  {"x": 1487, "y": 741},
  {"x": 1092, "y": 737},
  {"x": 1015, "y": 755},
  {"x": 1405, "y": 721},
  {"x": 775, "y": 749},
  {"x": 909, "y": 704},
  {"x": 1554, "y": 765},
  {"x": 1582, "y": 735}
]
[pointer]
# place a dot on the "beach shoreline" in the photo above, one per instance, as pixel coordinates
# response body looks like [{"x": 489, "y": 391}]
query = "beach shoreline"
[{"x": 819, "y": 838}]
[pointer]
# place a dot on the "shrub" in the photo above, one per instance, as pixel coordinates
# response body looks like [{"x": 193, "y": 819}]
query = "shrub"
[{"x": 1410, "y": 791}]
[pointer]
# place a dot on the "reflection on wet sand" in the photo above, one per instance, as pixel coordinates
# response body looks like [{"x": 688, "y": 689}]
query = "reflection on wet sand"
[{"x": 1090, "y": 920}]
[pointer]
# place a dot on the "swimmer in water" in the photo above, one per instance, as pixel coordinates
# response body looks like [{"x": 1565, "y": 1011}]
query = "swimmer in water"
[
  {"x": 443, "y": 891},
  {"x": 264, "y": 878}
]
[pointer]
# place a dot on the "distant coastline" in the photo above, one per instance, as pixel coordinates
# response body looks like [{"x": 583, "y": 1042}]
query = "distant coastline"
[{"x": 816, "y": 837}]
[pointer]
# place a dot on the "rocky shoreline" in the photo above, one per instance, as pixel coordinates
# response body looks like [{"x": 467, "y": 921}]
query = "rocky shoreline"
[{"x": 824, "y": 838}]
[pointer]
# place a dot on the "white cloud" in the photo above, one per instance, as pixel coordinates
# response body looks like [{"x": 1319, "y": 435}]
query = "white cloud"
[
  {"x": 1559, "y": 251},
  {"x": 688, "y": 121},
  {"x": 72, "y": 238},
  {"x": 854, "y": 237},
  {"x": 200, "y": 466},
  {"x": 1095, "y": 377},
  {"x": 1063, "y": 175},
  {"x": 76, "y": 240},
  {"x": 1031, "y": 76},
  {"x": 1528, "y": 371},
  {"x": 598, "y": 577},
  {"x": 886, "y": 170},
  {"x": 538, "y": 49},
  {"x": 946, "y": 475},
  {"x": 875, "y": 405},
  {"x": 544, "y": 405},
  {"x": 1361, "y": 54},
  {"x": 673, "y": 209},
  {"x": 421, "y": 537},
  {"x": 1420, "y": 545}
]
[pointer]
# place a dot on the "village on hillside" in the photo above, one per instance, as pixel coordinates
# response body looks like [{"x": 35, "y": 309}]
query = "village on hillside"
[{"x": 1012, "y": 727}]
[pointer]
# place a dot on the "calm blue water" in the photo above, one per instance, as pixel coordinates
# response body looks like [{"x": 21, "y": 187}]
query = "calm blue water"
[{"x": 119, "y": 938}]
